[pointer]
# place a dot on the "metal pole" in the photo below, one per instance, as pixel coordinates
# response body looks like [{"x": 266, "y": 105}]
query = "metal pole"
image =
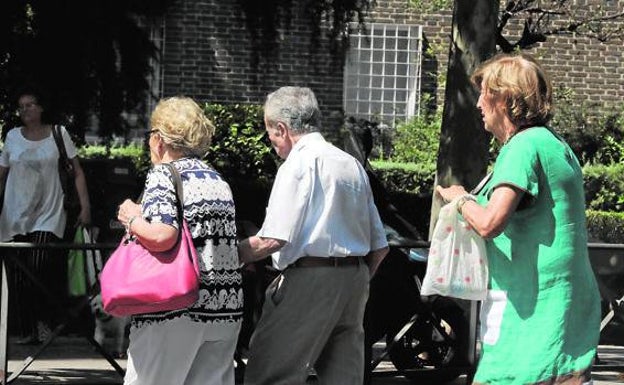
[{"x": 4, "y": 317}]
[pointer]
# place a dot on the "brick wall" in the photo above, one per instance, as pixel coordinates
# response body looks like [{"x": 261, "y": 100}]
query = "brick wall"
[
  {"x": 594, "y": 71},
  {"x": 209, "y": 55}
]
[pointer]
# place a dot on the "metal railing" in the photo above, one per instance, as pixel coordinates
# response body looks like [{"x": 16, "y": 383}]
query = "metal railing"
[
  {"x": 606, "y": 259},
  {"x": 68, "y": 314}
]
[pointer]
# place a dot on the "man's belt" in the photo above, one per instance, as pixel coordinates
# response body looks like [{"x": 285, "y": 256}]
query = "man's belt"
[{"x": 351, "y": 260}]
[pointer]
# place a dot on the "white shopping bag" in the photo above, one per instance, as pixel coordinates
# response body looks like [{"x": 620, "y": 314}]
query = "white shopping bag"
[{"x": 457, "y": 264}]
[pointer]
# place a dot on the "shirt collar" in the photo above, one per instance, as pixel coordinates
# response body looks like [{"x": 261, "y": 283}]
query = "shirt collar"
[{"x": 312, "y": 137}]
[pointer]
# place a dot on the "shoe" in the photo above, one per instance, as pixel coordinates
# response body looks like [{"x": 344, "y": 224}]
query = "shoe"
[{"x": 29, "y": 340}]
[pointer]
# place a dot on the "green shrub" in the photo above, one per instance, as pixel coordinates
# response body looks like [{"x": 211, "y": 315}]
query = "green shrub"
[
  {"x": 139, "y": 155},
  {"x": 239, "y": 148},
  {"x": 417, "y": 140},
  {"x": 238, "y": 151},
  {"x": 607, "y": 227},
  {"x": 405, "y": 177},
  {"x": 594, "y": 139},
  {"x": 604, "y": 187}
]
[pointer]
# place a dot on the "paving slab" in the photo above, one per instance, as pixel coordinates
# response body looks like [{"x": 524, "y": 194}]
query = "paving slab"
[{"x": 73, "y": 361}]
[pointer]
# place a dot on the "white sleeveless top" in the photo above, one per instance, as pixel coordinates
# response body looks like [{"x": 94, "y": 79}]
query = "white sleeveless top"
[{"x": 33, "y": 196}]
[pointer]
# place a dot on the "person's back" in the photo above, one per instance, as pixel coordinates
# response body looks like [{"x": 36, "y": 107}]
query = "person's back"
[
  {"x": 339, "y": 196},
  {"x": 210, "y": 213},
  {"x": 325, "y": 236}
]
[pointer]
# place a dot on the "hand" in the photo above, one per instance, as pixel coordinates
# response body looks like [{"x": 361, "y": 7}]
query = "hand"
[
  {"x": 450, "y": 193},
  {"x": 127, "y": 210},
  {"x": 84, "y": 218}
]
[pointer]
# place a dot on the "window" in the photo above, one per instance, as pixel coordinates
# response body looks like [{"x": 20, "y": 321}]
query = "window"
[{"x": 382, "y": 73}]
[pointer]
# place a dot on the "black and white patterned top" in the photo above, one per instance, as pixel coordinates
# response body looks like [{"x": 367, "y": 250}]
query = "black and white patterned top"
[{"x": 210, "y": 213}]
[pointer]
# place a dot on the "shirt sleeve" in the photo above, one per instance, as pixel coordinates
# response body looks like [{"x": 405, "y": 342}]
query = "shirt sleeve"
[
  {"x": 517, "y": 165},
  {"x": 70, "y": 147},
  {"x": 378, "y": 233},
  {"x": 159, "y": 203},
  {"x": 288, "y": 202}
]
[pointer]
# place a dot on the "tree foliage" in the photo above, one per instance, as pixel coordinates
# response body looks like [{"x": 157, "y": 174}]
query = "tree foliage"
[
  {"x": 88, "y": 56},
  {"x": 540, "y": 19},
  {"x": 524, "y": 23},
  {"x": 240, "y": 148},
  {"x": 264, "y": 19}
]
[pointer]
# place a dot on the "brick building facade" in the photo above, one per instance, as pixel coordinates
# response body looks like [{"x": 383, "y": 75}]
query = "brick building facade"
[{"x": 209, "y": 53}]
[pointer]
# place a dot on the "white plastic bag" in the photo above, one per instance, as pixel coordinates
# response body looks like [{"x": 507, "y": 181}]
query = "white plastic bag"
[{"x": 457, "y": 265}]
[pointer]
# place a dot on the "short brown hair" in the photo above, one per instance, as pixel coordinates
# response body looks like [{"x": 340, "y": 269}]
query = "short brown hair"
[{"x": 522, "y": 83}]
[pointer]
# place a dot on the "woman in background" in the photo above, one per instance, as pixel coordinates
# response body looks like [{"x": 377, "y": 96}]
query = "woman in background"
[
  {"x": 32, "y": 211},
  {"x": 541, "y": 319},
  {"x": 195, "y": 345}
]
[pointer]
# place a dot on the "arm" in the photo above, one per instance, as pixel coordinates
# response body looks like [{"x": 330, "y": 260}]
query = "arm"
[
  {"x": 4, "y": 171},
  {"x": 83, "y": 193},
  {"x": 374, "y": 258},
  {"x": 154, "y": 236},
  {"x": 256, "y": 248},
  {"x": 491, "y": 220}
]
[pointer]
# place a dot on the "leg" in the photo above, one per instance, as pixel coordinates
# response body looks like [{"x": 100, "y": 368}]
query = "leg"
[
  {"x": 342, "y": 360},
  {"x": 23, "y": 293},
  {"x": 214, "y": 363},
  {"x": 4, "y": 309},
  {"x": 300, "y": 312},
  {"x": 50, "y": 266},
  {"x": 164, "y": 353}
]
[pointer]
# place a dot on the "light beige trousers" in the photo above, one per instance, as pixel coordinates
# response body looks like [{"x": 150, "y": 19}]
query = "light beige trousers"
[{"x": 182, "y": 352}]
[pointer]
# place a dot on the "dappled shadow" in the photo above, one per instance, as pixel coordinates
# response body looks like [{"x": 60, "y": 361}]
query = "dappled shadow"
[{"x": 69, "y": 376}]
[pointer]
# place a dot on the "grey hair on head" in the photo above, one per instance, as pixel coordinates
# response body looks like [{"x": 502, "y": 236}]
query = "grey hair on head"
[{"x": 297, "y": 107}]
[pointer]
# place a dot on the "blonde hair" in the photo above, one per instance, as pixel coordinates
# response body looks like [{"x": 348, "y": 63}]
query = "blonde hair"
[
  {"x": 522, "y": 83},
  {"x": 183, "y": 125}
]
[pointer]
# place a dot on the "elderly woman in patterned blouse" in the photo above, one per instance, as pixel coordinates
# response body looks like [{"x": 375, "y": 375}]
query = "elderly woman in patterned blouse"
[{"x": 193, "y": 345}]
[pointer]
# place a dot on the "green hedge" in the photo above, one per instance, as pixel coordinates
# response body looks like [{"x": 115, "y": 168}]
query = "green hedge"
[
  {"x": 239, "y": 148},
  {"x": 607, "y": 227},
  {"x": 405, "y": 177},
  {"x": 604, "y": 187},
  {"x": 139, "y": 155}
]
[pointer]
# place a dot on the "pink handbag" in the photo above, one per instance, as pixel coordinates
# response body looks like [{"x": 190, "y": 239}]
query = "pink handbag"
[{"x": 136, "y": 281}]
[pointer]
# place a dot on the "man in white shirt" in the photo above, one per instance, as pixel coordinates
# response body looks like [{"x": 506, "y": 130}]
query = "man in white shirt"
[{"x": 326, "y": 237}]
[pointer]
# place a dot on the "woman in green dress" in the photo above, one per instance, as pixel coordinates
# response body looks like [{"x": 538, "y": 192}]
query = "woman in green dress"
[{"x": 540, "y": 323}]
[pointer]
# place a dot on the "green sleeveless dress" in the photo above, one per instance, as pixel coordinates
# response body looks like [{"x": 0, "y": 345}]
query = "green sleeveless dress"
[{"x": 541, "y": 321}]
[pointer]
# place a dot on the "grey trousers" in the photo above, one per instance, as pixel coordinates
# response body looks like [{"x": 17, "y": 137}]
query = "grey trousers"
[{"x": 312, "y": 318}]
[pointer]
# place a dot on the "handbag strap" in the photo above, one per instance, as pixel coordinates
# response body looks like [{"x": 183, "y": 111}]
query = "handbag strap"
[
  {"x": 481, "y": 184},
  {"x": 60, "y": 144},
  {"x": 177, "y": 184}
]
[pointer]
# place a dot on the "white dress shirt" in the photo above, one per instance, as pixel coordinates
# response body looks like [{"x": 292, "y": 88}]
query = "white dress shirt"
[{"x": 321, "y": 204}]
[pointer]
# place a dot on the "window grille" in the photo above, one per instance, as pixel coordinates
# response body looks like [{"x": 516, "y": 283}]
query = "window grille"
[{"x": 382, "y": 73}]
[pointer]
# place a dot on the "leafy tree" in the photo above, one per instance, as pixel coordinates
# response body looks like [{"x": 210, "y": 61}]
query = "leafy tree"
[
  {"x": 477, "y": 30},
  {"x": 540, "y": 19},
  {"x": 463, "y": 151},
  {"x": 88, "y": 56},
  {"x": 265, "y": 18}
]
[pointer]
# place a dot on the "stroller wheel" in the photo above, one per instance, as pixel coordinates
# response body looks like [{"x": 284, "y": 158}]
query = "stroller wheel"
[{"x": 434, "y": 348}]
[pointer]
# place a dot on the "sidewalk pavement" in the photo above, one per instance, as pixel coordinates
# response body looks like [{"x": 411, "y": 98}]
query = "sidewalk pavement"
[{"x": 73, "y": 361}]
